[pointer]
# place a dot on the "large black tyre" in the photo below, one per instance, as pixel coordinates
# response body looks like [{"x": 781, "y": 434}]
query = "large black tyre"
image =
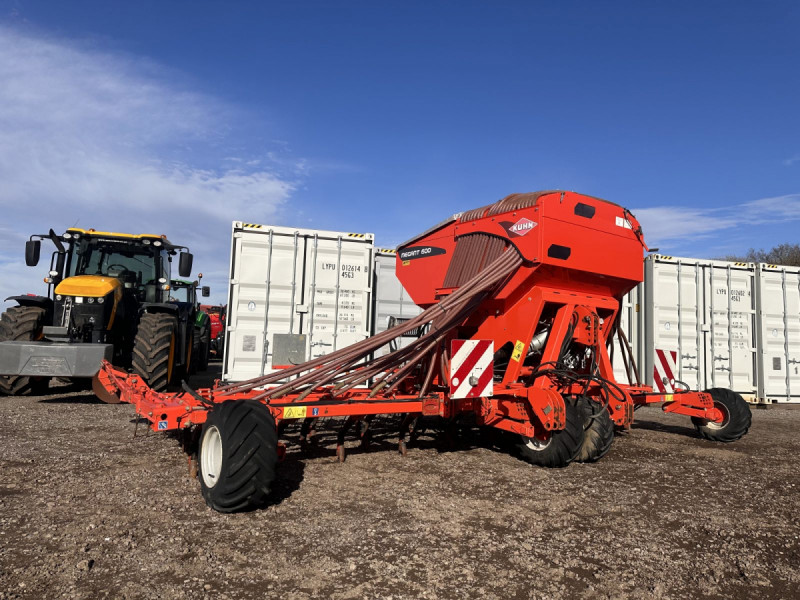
[
  {"x": 561, "y": 447},
  {"x": 238, "y": 455},
  {"x": 154, "y": 349},
  {"x": 598, "y": 431},
  {"x": 737, "y": 417},
  {"x": 23, "y": 324}
]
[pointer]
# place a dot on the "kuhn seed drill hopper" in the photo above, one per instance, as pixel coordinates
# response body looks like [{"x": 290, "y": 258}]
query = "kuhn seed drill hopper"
[{"x": 521, "y": 300}]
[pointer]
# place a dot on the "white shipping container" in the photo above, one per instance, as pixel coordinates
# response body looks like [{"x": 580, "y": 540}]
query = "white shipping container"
[
  {"x": 391, "y": 301},
  {"x": 294, "y": 295},
  {"x": 778, "y": 295},
  {"x": 631, "y": 324},
  {"x": 700, "y": 325}
]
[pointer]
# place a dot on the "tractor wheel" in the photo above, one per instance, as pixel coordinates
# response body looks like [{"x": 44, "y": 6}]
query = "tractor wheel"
[
  {"x": 598, "y": 431},
  {"x": 559, "y": 448},
  {"x": 238, "y": 456},
  {"x": 23, "y": 324},
  {"x": 205, "y": 348},
  {"x": 154, "y": 349},
  {"x": 737, "y": 417}
]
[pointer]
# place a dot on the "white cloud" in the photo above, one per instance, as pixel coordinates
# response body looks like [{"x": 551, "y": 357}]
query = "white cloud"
[
  {"x": 766, "y": 210},
  {"x": 790, "y": 161},
  {"x": 674, "y": 223},
  {"x": 97, "y": 139}
]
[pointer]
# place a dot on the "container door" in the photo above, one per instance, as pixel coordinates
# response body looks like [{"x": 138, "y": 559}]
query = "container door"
[
  {"x": 265, "y": 269},
  {"x": 391, "y": 300},
  {"x": 629, "y": 324},
  {"x": 675, "y": 335},
  {"x": 730, "y": 315},
  {"x": 779, "y": 333},
  {"x": 336, "y": 307}
]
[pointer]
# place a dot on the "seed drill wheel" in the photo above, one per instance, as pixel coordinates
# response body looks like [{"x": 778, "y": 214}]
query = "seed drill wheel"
[
  {"x": 238, "y": 456},
  {"x": 22, "y": 323},
  {"x": 559, "y": 448},
  {"x": 154, "y": 349},
  {"x": 736, "y": 421},
  {"x": 598, "y": 431}
]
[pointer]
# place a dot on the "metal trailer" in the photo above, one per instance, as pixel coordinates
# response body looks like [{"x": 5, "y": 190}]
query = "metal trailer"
[
  {"x": 294, "y": 295},
  {"x": 778, "y": 332},
  {"x": 520, "y": 301},
  {"x": 391, "y": 303}
]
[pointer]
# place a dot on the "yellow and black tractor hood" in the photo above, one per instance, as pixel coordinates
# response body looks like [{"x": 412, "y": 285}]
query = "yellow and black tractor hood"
[{"x": 90, "y": 286}]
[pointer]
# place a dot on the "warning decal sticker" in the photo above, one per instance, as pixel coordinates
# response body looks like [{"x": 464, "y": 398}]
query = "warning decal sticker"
[
  {"x": 294, "y": 412},
  {"x": 519, "y": 347}
]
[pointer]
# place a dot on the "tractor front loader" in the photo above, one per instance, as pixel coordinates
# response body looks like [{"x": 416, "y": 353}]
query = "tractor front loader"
[
  {"x": 521, "y": 301},
  {"x": 108, "y": 298}
]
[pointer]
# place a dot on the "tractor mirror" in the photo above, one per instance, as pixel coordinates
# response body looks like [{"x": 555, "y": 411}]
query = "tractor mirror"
[
  {"x": 185, "y": 264},
  {"x": 32, "y": 250},
  {"x": 206, "y": 291}
]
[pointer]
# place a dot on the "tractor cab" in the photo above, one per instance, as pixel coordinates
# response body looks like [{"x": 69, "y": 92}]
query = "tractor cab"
[
  {"x": 101, "y": 281},
  {"x": 185, "y": 292},
  {"x": 140, "y": 263}
]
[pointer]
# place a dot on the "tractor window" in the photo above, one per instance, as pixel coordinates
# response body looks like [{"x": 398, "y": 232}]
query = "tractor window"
[
  {"x": 180, "y": 294},
  {"x": 130, "y": 261},
  {"x": 165, "y": 265}
]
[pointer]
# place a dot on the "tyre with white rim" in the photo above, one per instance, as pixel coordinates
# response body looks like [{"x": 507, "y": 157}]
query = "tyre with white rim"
[
  {"x": 558, "y": 448},
  {"x": 211, "y": 456},
  {"x": 238, "y": 456},
  {"x": 736, "y": 417}
]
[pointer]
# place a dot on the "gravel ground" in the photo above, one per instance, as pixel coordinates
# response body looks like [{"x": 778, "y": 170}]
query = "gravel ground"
[{"x": 87, "y": 510}]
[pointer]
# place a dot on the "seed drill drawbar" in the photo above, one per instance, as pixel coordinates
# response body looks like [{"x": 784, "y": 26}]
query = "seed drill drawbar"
[{"x": 521, "y": 303}]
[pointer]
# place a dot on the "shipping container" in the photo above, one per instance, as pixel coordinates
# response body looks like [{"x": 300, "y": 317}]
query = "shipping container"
[
  {"x": 631, "y": 325},
  {"x": 294, "y": 295},
  {"x": 392, "y": 304},
  {"x": 699, "y": 325},
  {"x": 778, "y": 297}
]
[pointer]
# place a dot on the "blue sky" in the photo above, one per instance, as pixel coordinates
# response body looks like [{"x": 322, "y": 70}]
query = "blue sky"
[{"x": 388, "y": 116}]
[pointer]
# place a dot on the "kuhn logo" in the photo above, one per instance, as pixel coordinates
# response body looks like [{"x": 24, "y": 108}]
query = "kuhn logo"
[{"x": 522, "y": 226}]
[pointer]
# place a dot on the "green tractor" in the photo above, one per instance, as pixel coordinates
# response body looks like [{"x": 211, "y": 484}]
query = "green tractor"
[
  {"x": 108, "y": 297},
  {"x": 184, "y": 295}
]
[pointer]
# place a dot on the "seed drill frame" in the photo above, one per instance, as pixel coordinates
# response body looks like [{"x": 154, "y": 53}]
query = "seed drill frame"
[{"x": 522, "y": 301}]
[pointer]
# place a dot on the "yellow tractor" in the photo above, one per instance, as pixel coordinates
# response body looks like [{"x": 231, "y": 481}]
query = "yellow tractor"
[{"x": 108, "y": 297}]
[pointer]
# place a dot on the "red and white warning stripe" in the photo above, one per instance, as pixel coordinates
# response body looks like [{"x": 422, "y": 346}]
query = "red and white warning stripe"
[
  {"x": 664, "y": 370},
  {"x": 472, "y": 363}
]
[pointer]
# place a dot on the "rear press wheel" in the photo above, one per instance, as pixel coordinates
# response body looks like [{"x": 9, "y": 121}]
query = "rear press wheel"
[
  {"x": 598, "y": 431},
  {"x": 238, "y": 456},
  {"x": 736, "y": 417},
  {"x": 559, "y": 448},
  {"x": 154, "y": 349},
  {"x": 22, "y": 324}
]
